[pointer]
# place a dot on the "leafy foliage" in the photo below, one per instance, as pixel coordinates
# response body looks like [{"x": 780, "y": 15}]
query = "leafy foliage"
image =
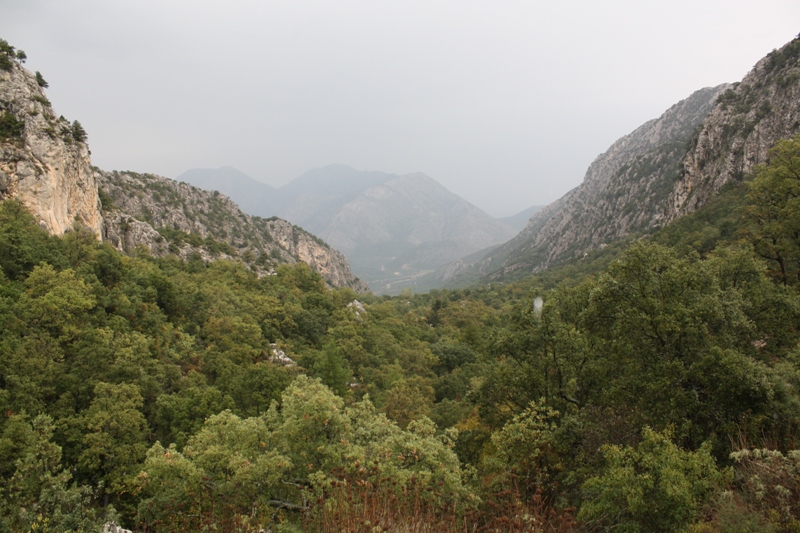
[
  {"x": 774, "y": 209},
  {"x": 10, "y": 127},
  {"x": 40, "y": 81},
  {"x": 148, "y": 391},
  {"x": 653, "y": 487}
]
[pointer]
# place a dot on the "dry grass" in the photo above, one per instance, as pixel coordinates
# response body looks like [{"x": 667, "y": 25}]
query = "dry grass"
[{"x": 362, "y": 506}]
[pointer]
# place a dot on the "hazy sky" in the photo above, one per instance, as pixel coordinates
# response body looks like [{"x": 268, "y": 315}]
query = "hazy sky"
[{"x": 505, "y": 103}]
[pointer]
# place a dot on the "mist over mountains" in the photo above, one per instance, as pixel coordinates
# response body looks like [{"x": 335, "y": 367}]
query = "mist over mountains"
[
  {"x": 393, "y": 229},
  {"x": 170, "y": 363}
]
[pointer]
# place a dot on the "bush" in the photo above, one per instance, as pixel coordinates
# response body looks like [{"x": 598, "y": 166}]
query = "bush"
[
  {"x": 10, "y": 127},
  {"x": 654, "y": 487},
  {"x": 6, "y": 55}
]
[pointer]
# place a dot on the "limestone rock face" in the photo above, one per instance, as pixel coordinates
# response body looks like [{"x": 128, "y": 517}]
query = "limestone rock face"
[
  {"x": 47, "y": 166},
  {"x": 166, "y": 216},
  {"x": 737, "y": 135},
  {"x": 314, "y": 252},
  {"x": 625, "y": 191},
  {"x": 665, "y": 169},
  {"x": 125, "y": 233}
]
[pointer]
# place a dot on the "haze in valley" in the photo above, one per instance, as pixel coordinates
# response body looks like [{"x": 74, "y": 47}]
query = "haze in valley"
[{"x": 503, "y": 104}]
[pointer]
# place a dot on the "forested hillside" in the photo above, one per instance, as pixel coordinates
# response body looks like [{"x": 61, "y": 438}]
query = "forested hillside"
[{"x": 658, "y": 395}]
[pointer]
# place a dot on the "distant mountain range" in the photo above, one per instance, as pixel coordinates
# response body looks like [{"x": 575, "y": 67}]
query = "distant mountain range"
[
  {"x": 409, "y": 231},
  {"x": 393, "y": 229}
]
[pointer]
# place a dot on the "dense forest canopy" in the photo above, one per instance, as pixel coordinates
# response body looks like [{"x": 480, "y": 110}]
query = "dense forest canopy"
[{"x": 657, "y": 391}]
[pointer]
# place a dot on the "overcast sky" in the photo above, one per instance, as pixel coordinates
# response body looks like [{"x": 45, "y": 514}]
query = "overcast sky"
[{"x": 505, "y": 103}]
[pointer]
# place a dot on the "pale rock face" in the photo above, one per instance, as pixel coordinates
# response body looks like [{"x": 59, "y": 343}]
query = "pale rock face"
[
  {"x": 737, "y": 135},
  {"x": 316, "y": 254},
  {"x": 47, "y": 169},
  {"x": 625, "y": 191},
  {"x": 125, "y": 233},
  {"x": 662, "y": 171},
  {"x": 143, "y": 203}
]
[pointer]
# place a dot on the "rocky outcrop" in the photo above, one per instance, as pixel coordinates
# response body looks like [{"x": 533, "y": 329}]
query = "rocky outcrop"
[
  {"x": 313, "y": 251},
  {"x": 625, "y": 191},
  {"x": 44, "y": 160},
  {"x": 166, "y": 216},
  {"x": 665, "y": 169},
  {"x": 126, "y": 233},
  {"x": 737, "y": 135}
]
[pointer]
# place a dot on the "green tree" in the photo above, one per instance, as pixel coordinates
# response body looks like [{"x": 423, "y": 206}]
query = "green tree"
[
  {"x": 226, "y": 475},
  {"x": 39, "y": 495},
  {"x": 653, "y": 487},
  {"x": 78, "y": 133},
  {"x": 40, "y": 81},
  {"x": 181, "y": 414},
  {"x": 23, "y": 244},
  {"x": 115, "y": 441},
  {"x": 6, "y": 55},
  {"x": 408, "y": 400},
  {"x": 310, "y": 427},
  {"x": 331, "y": 367},
  {"x": 11, "y": 128},
  {"x": 774, "y": 210},
  {"x": 527, "y": 449}
]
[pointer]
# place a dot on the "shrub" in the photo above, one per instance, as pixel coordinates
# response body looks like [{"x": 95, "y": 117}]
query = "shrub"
[
  {"x": 10, "y": 127},
  {"x": 654, "y": 487}
]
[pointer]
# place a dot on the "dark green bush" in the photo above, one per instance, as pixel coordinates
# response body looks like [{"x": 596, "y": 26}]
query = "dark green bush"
[{"x": 10, "y": 127}]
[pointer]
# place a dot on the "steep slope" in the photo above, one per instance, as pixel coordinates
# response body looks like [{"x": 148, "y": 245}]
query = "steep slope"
[
  {"x": 664, "y": 170},
  {"x": 171, "y": 217},
  {"x": 313, "y": 198},
  {"x": 403, "y": 227},
  {"x": 749, "y": 118},
  {"x": 420, "y": 222},
  {"x": 625, "y": 191},
  {"x": 44, "y": 160}
]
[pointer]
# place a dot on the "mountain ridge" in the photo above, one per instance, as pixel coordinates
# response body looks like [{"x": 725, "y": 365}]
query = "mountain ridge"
[
  {"x": 45, "y": 164},
  {"x": 663, "y": 170},
  {"x": 624, "y": 191},
  {"x": 393, "y": 228}
]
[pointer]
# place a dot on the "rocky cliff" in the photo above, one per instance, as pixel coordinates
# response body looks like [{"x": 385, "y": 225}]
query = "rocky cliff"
[
  {"x": 663, "y": 170},
  {"x": 167, "y": 216},
  {"x": 45, "y": 163},
  {"x": 737, "y": 135},
  {"x": 625, "y": 191},
  {"x": 44, "y": 160}
]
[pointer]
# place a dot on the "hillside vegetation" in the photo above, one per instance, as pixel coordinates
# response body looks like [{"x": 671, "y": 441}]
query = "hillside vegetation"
[{"x": 652, "y": 390}]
